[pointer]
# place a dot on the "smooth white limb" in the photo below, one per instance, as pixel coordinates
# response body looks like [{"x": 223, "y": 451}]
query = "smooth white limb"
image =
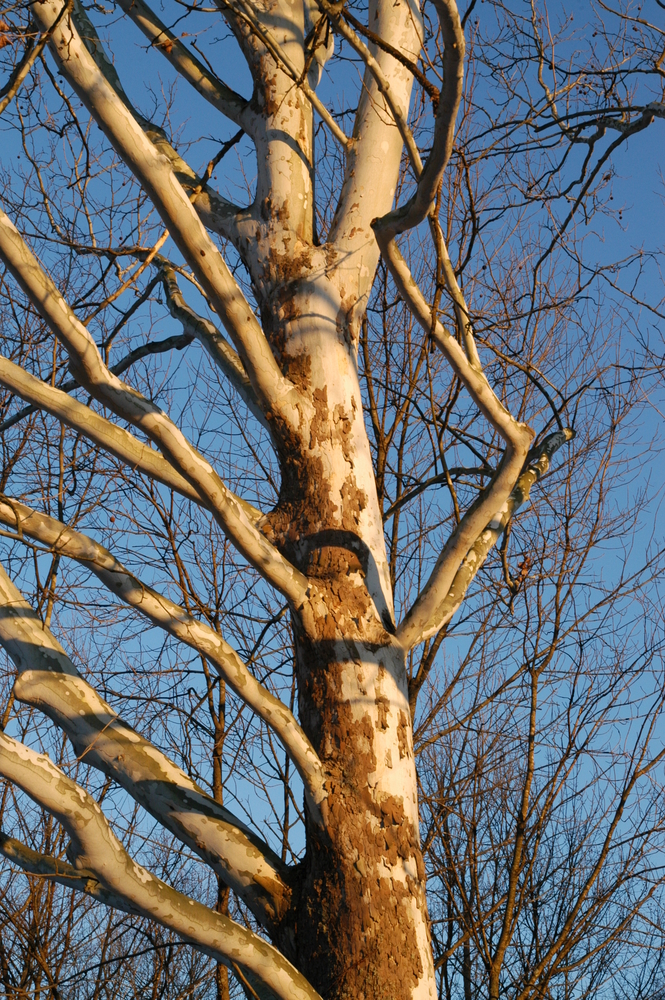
[
  {"x": 214, "y": 90},
  {"x": 425, "y": 616},
  {"x": 88, "y": 368},
  {"x": 221, "y": 353},
  {"x": 155, "y": 172},
  {"x": 48, "y": 680},
  {"x": 174, "y": 620},
  {"x": 96, "y": 849},
  {"x": 537, "y": 466}
]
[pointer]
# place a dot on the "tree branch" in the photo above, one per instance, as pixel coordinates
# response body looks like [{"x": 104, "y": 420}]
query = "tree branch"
[
  {"x": 31, "y": 54},
  {"x": 383, "y": 83},
  {"x": 95, "y": 85},
  {"x": 537, "y": 465},
  {"x": 377, "y": 147},
  {"x": 88, "y": 368},
  {"x": 49, "y": 681},
  {"x": 207, "y": 334},
  {"x": 169, "y": 616},
  {"x": 244, "y": 11},
  {"x": 419, "y": 205},
  {"x": 425, "y": 617},
  {"x": 109, "y": 436},
  {"x": 219, "y": 214},
  {"x": 144, "y": 351},
  {"x": 214, "y": 90},
  {"x": 96, "y": 849},
  {"x": 430, "y": 89},
  {"x": 55, "y": 870}
]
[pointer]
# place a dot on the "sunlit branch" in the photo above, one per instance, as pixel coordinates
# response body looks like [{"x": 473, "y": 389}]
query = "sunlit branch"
[
  {"x": 48, "y": 680},
  {"x": 383, "y": 83},
  {"x": 215, "y": 344},
  {"x": 214, "y": 90},
  {"x": 31, "y": 54},
  {"x": 430, "y": 89},
  {"x": 245, "y": 10},
  {"x": 152, "y": 347},
  {"x": 462, "y": 313},
  {"x": 156, "y": 174},
  {"x": 419, "y": 205},
  {"x": 169, "y": 616},
  {"x": 61, "y": 872},
  {"x": 88, "y": 368},
  {"x": 537, "y": 466},
  {"x": 95, "y": 848},
  {"x": 425, "y": 617},
  {"x": 114, "y": 439}
]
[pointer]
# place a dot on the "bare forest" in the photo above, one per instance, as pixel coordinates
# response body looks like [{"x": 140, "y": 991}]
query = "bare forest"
[{"x": 331, "y": 413}]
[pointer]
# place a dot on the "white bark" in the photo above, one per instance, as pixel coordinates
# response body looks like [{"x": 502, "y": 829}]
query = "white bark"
[
  {"x": 176, "y": 622},
  {"x": 214, "y": 90},
  {"x": 537, "y": 466},
  {"x": 98, "y": 850},
  {"x": 88, "y": 367},
  {"x": 426, "y": 616},
  {"x": 56, "y": 870},
  {"x": 109, "y": 436},
  {"x": 156, "y": 175},
  {"x": 279, "y": 51},
  {"x": 300, "y": 379},
  {"x": 49, "y": 681},
  {"x": 217, "y": 347}
]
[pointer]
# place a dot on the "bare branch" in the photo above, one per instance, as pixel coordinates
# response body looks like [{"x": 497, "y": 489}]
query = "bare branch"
[
  {"x": 244, "y": 10},
  {"x": 32, "y": 52},
  {"x": 177, "y": 343},
  {"x": 88, "y": 368},
  {"x": 378, "y": 144},
  {"x": 49, "y": 681},
  {"x": 109, "y": 436},
  {"x": 156, "y": 174},
  {"x": 215, "y": 344},
  {"x": 383, "y": 83},
  {"x": 424, "y": 618},
  {"x": 418, "y": 207},
  {"x": 61, "y": 872},
  {"x": 97, "y": 849},
  {"x": 177, "y": 622},
  {"x": 214, "y": 90},
  {"x": 431, "y": 90},
  {"x": 537, "y": 466}
]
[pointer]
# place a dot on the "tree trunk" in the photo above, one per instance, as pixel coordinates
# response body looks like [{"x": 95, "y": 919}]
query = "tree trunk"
[
  {"x": 358, "y": 927},
  {"x": 361, "y": 924}
]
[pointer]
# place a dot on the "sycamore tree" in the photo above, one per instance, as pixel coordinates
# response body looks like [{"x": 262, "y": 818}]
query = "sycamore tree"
[{"x": 349, "y": 350}]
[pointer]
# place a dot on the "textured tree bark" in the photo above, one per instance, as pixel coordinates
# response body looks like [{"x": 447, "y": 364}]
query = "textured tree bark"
[
  {"x": 361, "y": 920},
  {"x": 358, "y": 924}
]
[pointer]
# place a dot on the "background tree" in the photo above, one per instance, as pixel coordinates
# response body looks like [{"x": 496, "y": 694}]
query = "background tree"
[{"x": 242, "y": 615}]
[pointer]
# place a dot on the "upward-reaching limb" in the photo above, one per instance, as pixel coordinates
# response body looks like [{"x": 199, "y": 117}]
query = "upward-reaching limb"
[
  {"x": 373, "y": 162},
  {"x": 217, "y": 347},
  {"x": 430, "y": 608},
  {"x": 155, "y": 173},
  {"x": 214, "y": 90},
  {"x": 426, "y": 615},
  {"x": 87, "y": 366}
]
